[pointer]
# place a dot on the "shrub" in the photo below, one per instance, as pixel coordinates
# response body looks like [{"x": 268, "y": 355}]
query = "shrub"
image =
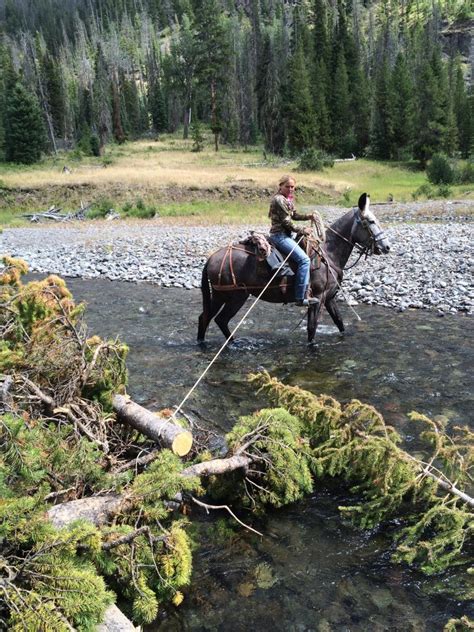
[
  {"x": 425, "y": 190},
  {"x": 444, "y": 191},
  {"x": 95, "y": 145},
  {"x": 100, "y": 208},
  {"x": 466, "y": 173},
  {"x": 440, "y": 170},
  {"x": 313, "y": 159},
  {"x": 140, "y": 210}
]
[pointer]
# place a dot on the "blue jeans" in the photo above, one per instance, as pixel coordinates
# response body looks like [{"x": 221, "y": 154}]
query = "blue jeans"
[{"x": 285, "y": 245}]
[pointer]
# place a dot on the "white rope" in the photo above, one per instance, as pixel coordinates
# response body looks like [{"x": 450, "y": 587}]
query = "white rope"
[
  {"x": 234, "y": 330},
  {"x": 342, "y": 292}
]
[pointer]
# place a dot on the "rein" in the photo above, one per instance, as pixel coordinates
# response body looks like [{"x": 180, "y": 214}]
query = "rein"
[{"x": 362, "y": 250}]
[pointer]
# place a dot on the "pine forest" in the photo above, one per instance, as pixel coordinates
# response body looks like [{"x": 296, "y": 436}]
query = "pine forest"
[{"x": 381, "y": 79}]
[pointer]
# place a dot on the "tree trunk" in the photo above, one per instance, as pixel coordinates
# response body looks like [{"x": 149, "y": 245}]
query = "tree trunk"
[
  {"x": 163, "y": 431},
  {"x": 96, "y": 509},
  {"x": 116, "y": 621},
  {"x": 217, "y": 466}
]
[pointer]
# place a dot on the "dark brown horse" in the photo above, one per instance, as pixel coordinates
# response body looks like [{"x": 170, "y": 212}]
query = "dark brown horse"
[{"x": 233, "y": 273}]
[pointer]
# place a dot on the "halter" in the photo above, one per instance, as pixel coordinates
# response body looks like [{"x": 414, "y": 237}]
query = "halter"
[{"x": 367, "y": 250}]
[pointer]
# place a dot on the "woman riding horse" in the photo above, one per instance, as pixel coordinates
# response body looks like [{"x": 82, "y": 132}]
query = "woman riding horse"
[
  {"x": 232, "y": 274},
  {"x": 282, "y": 213}
]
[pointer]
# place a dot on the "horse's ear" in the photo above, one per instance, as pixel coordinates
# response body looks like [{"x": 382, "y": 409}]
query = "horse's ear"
[{"x": 364, "y": 202}]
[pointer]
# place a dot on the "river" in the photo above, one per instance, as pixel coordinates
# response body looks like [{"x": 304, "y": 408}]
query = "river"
[{"x": 311, "y": 571}]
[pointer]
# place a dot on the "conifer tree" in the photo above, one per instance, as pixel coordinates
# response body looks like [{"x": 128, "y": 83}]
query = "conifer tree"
[
  {"x": 180, "y": 68},
  {"x": 320, "y": 80},
  {"x": 299, "y": 111},
  {"x": 270, "y": 102},
  {"x": 54, "y": 93},
  {"x": 461, "y": 110},
  {"x": 25, "y": 136},
  {"x": 213, "y": 53},
  {"x": 403, "y": 109},
  {"x": 359, "y": 95},
  {"x": 101, "y": 118},
  {"x": 342, "y": 138},
  {"x": 382, "y": 124},
  {"x": 131, "y": 107},
  {"x": 157, "y": 106},
  {"x": 434, "y": 122}
]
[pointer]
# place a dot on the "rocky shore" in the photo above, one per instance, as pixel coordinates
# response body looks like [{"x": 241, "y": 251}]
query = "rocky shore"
[{"x": 430, "y": 266}]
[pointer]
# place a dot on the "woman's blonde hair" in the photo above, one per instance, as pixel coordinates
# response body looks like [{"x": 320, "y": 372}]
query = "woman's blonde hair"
[{"x": 285, "y": 179}]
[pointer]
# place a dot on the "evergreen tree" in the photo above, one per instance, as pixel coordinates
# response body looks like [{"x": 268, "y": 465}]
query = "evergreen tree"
[
  {"x": 359, "y": 95},
  {"x": 434, "y": 123},
  {"x": 197, "y": 135},
  {"x": 157, "y": 106},
  {"x": 270, "y": 102},
  {"x": 180, "y": 68},
  {"x": 101, "y": 117},
  {"x": 382, "y": 124},
  {"x": 299, "y": 111},
  {"x": 320, "y": 80},
  {"x": 51, "y": 70},
  {"x": 213, "y": 53},
  {"x": 131, "y": 107},
  {"x": 402, "y": 93},
  {"x": 342, "y": 132},
  {"x": 25, "y": 136},
  {"x": 461, "y": 110}
]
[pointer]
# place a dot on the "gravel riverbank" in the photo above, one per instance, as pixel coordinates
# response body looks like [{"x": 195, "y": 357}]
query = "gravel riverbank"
[{"x": 430, "y": 266}]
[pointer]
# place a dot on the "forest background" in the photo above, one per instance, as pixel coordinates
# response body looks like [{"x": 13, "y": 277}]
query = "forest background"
[{"x": 313, "y": 79}]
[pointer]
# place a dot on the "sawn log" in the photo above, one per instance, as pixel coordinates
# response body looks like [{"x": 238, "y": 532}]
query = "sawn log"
[{"x": 162, "y": 430}]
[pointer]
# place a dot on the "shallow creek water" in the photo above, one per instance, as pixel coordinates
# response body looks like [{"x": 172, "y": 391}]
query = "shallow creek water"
[{"x": 311, "y": 571}]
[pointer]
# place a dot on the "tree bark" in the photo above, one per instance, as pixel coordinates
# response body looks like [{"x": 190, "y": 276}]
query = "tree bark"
[
  {"x": 116, "y": 621},
  {"x": 96, "y": 509},
  {"x": 163, "y": 431},
  {"x": 217, "y": 466}
]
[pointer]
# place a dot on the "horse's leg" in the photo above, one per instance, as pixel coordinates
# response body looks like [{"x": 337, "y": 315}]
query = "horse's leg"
[
  {"x": 230, "y": 310},
  {"x": 335, "y": 314},
  {"x": 313, "y": 313},
  {"x": 207, "y": 315}
]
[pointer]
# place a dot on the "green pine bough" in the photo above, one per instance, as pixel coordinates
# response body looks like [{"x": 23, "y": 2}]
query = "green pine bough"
[
  {"x": 354, "y": 444},
  {"x": 61, "y": 447}
]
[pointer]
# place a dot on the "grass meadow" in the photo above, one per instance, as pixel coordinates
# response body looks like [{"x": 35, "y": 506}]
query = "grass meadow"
[{"x": 165, "y": 177}]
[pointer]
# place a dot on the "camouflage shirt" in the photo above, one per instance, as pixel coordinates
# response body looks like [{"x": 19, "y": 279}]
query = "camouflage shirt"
[{"x": 282, "y": 212}]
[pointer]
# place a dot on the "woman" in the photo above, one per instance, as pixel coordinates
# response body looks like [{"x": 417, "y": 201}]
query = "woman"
[{"x": 282, "y": 213}]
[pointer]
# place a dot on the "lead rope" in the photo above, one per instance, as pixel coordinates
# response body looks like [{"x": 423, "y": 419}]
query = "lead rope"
[
  {"x": 173, "y": 416},
  {"x": 320, "y": 230}
]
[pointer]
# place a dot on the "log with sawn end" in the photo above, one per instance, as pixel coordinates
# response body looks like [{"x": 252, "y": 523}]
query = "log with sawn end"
[{"x": 164, "y": 431}]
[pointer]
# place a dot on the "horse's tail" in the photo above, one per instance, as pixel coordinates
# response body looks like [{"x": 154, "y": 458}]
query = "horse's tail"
[{"x": 206, "y": 291}]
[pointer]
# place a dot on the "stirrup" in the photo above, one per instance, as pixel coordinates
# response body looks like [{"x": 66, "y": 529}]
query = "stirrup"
[{"x": 307, "y": 302}]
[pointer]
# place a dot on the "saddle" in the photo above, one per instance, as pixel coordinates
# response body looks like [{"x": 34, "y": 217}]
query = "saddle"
[{"x": 267, "y": 253}]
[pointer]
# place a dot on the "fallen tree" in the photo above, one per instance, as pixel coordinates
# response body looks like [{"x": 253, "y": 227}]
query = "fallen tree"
[{"x": 97, "y": 516}]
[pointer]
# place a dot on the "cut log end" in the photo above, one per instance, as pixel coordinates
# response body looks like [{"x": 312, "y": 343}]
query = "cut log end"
[{"x": 182, "y": 443}]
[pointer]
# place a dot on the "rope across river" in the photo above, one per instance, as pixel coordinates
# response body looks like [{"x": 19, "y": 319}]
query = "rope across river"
[{"x": 319, "y": 229}]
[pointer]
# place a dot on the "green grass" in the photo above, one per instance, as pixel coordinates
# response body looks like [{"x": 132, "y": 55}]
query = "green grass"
[{"x": 163, "y": 177}]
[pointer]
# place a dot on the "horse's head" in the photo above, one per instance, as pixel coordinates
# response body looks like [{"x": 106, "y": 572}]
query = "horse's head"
[{"x": 367, "y": 231}]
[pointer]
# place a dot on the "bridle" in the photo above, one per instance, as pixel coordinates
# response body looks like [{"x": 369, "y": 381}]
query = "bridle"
[{"x": 367, "y": 249}]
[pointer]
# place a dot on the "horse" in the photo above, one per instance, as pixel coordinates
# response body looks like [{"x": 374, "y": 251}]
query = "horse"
[{"x": 233, "y": 273}]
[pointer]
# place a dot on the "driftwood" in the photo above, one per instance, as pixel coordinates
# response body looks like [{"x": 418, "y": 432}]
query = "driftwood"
[
  {"x": 162, "y": 430},
  {"x": 54, "y": 214},
  {"x": 352, "y": 158}
]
